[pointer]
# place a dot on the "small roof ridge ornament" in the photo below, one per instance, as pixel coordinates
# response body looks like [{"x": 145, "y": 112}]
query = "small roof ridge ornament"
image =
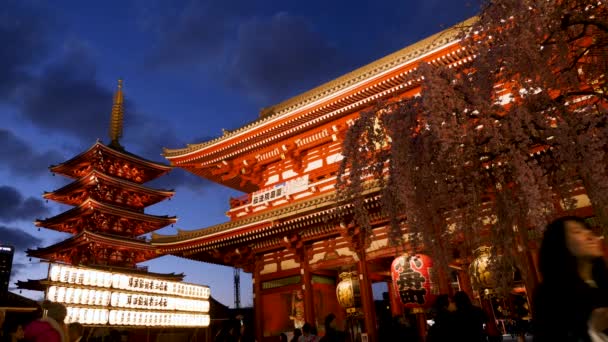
[{"x": 117, "y": 117}]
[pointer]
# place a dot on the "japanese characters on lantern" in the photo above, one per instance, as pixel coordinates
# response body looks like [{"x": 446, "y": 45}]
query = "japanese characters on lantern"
[
  {"x": 411, "y": 275},
  {"x": 100, "y": 297}
]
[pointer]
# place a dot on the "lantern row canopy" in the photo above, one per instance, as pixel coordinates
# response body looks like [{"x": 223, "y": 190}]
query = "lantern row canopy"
[
  {"x": 80, "y": 276},
  {"x": 95, "y": 316},
  {"x": 97, "y": 297}
]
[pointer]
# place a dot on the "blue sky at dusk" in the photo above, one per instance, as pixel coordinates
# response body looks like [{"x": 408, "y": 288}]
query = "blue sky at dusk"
[{"x": 190, "y": 68}]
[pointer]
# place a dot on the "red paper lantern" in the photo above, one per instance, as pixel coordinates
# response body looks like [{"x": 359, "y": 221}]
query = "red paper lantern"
[{"x": 411, "y": 276}]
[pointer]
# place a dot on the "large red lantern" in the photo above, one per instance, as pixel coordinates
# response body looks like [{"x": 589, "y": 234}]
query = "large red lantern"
[{"x": 411, "y": 276}]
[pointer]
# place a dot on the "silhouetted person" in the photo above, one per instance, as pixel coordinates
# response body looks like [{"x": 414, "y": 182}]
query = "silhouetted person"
[
  {"x": 307, "y": 334},
  {"x": 445, "y": 319},
  {"x": 75, "y": 331},
  {"x": 296, "y": 335},
  {"x": 469, "y": 320},
  {"x": 332, "y": 334}
]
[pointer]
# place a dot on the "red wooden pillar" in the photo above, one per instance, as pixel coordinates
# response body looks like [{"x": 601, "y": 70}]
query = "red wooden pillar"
[
  {"x": 309, "y": 306},
  {"x": 465, "y": 282},
  {"x": 444, "y": 282},
  {"x": 257, "y": 299},
  {"x": 420, "y": 323},
  {"x": 531, "y": 277},
  {"x": 367, "y": 299},
  {"x": 491, "y": 327},
  {"x": 395, "y": 302}
]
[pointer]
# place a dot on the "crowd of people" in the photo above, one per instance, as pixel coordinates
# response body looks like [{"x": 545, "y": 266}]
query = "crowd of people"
[
  {"x": 309, "y": 333},
  {"x": 457, "y": 319}
]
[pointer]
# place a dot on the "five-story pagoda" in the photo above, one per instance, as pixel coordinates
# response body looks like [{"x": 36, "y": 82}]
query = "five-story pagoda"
[
  {"x": 94, "y": 272},
  {"x": 109, "y": 199}
]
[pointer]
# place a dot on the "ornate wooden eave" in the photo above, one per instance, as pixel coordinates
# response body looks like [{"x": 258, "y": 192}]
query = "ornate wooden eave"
[
  {"x": 357, "y": 89},
  {"x": 87, "y": 160},
  {"x": 71, "y": 221},
  {"x": 143, "y": 249},
  {"x": 78, "y": 191},
  {"x": 237, "y": 249},
  {"x": 32, "y": 285},
  {"x": 265, "y": 228}
]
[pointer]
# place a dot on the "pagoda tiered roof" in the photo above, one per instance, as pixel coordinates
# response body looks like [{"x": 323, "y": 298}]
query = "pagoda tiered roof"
[
  {"x": 111, "y": 160},
  {"x": 91, "y": 248},
  {"x": 104, "y": 188},
  {"x": 41, "y": 284},
  {"x": 105, "y": 218}
]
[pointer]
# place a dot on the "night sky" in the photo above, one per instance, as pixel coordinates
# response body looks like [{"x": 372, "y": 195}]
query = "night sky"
[{"x": 191, "y": 68}]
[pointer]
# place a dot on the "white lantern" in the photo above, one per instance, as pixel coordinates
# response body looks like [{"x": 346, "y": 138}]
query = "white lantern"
[
  {"x": 63, "y": 274},
  {"x": 52, "y": 292},
  {"x": 61, "y": 294},
  {"x": 55, "y": 272}
]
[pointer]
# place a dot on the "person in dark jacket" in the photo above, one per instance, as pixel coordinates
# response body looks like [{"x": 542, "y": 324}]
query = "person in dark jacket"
[
  {"x": 331, "y": 333},
  {"x": 573, "y": 294},
  {"x": 470, "y": 319},
  {"x": 296, "y": 335},
  {"x": 444, "y": 319}
]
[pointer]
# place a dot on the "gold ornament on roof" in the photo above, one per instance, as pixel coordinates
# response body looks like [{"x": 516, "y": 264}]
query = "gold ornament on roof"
[{"x": 116, "y": 119}]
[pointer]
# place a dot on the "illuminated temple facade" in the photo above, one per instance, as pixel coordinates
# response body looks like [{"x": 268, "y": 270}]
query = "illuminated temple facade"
[{"x": 286, "y": 229}]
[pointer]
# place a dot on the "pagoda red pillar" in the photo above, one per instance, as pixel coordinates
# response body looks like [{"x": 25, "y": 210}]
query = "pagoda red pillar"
[
  {"x": 367, "y": 299},
  {"x": 257, "y": 299}
]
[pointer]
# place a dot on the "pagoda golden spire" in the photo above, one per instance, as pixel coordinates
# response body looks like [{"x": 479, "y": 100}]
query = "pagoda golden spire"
[{"x": 116, "y": 119}]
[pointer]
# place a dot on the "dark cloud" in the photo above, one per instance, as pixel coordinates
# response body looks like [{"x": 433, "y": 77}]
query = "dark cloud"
[
  {"x": 17, "y": 269},
  {"x": 191, "y": 32},
  {"x": 18, "y": 238},
  {"x": 19, "y": 158},
  {"x": 279, "y": 56},
  {"x": 68, "y": 99},
  {"x": 15, "y": 207},
  {"x": 23, "y": 33}
]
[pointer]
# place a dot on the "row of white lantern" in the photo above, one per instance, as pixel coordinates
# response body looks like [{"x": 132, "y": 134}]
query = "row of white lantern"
[
  {"x": 73, "y": 275},
  {"x": 89, "y": 277},
  {"x": 87, "y": 315},
  {"x": 135, "y": 318},
  {"x": 156, "y": 286},
  {"x": 143, "y": 318},
  {"x": 70, "y": 295},
  {"x": 129, "y": 300}
]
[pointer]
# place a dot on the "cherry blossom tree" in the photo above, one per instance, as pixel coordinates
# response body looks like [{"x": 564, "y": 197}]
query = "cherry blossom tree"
[{"x": 495, "y": 148}]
